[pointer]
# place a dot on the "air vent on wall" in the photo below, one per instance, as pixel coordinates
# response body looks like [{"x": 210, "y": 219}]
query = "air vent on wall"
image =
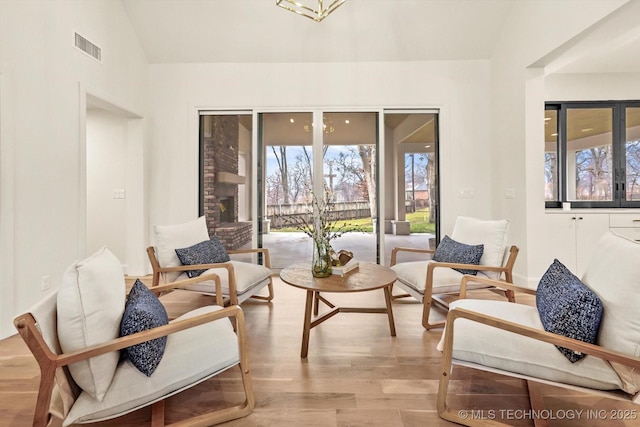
[{"x": 87, "y": 47}]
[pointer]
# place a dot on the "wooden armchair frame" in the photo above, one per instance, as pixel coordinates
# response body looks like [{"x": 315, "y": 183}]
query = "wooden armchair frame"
[
  {"x": 428, "y": 298},
  {"x": 49, "y": 361},
  {"x": 536, "y": 400},
  {"x": 233, "y": 287}
]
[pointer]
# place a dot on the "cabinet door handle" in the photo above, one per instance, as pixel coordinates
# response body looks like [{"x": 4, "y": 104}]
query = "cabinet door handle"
[{"x": 635, "y": 220}]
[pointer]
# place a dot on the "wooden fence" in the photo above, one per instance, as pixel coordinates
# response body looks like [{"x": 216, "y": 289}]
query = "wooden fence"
[{"x": 338, "y": 210}]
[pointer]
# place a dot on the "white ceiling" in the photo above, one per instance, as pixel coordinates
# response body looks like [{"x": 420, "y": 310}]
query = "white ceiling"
[
  {"x": 193, "y": 31},
  {"x": 204, "y": 31},
  {"x": 611, "y": 45}
]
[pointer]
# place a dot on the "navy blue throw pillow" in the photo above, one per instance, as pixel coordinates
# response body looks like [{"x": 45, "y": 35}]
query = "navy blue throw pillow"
[
  {"x": 143, "y": 311},
  {"x": 207, "y": 252},
  {"x": 451, "y": 251},
  {"x": 568, "y": 307}
]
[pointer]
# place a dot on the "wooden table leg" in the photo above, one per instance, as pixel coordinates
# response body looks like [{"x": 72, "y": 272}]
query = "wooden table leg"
[
  {"x": 316, "y": 303},
  {"x": 387, "y": 297},
  {"x": 306, "y": 327}
]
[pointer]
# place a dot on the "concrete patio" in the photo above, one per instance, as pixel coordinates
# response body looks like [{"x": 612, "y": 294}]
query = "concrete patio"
[{"x": 290, "y": 247}]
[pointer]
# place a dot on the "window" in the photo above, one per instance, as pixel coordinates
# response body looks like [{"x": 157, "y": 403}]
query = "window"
[
  {"x": 592, "y": 154},
  {"x": 632, "y": 150},
  {"x": 551, "y": 155}
]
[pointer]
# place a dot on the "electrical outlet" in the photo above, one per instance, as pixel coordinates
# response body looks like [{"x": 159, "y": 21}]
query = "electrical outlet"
[
  {"x": 118, "y": 193},
  {"x": 44, "y": 283}
]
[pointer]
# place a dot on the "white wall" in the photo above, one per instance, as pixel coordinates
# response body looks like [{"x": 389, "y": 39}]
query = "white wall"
[
  {"x": 44, "y": 77},
  {"x": 459, "y": 88},
  {"x": 592, "y": 87},
  {"x": 106, "y": 143},
  {"x": 533, "y": 29}
]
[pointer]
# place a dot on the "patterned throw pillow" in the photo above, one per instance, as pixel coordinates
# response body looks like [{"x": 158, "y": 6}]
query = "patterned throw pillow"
[
  {"x": 207, "y": 252},
  {"x": 451, "y": 251},
  {"x": 568, "y": 307},
  {"x": 144, "y": 311}
]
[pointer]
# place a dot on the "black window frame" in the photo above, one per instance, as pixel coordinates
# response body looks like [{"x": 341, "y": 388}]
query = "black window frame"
[{"x": 618, "y": 155}]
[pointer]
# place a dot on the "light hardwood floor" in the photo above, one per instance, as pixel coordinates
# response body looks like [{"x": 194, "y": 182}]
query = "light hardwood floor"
[{"x": 356, "y": 373}]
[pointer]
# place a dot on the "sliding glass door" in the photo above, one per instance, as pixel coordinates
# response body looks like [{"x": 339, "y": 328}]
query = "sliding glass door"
[
  {"x": 377, "y": 169},
  {"x": 350, "y": 171},
  {"x": 226, "y": 176},
  {"x": 329, "y": 155},
  {"x": 286, "y": 147},
  {"x": 412, "y": 196}
]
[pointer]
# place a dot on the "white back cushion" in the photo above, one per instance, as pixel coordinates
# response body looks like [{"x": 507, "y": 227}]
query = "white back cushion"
[
  {"x": 171, "y": 237},
  {"x": 90, "y": 305},
  {"x": 491, "y": 233},
  {"x": 613, "y": 274}
]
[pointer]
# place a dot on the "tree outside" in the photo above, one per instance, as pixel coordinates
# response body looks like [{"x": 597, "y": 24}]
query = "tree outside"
[
  {"x": 349, "y": 179},
  {"x": 420, "y": 187}
]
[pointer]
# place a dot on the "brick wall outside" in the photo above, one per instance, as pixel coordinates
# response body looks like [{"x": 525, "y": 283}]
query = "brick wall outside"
[{"x": 221, "y": 155}]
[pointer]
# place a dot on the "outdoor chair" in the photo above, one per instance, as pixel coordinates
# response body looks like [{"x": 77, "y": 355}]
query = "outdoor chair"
[
  {"x": 582, "y": 335},
  {"x": 240, "y": 279},
  {"x": 433, "y": 280},
  {"x": 79, "y": 334}
]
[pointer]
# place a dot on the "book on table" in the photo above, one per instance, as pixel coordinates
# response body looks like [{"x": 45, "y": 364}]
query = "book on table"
[{"x": 341, "y": 270}]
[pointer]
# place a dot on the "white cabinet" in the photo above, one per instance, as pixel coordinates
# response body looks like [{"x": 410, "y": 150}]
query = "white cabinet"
[
  {"x": 572, "y": 237},
  {"x": 626, "y": 224}
]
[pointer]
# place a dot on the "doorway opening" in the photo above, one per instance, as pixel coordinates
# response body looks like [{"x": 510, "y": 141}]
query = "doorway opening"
[
  {"x": 114, "y": 183},
  {"x": 412, "y": 214},
  {"x": 329, "y": 156}
]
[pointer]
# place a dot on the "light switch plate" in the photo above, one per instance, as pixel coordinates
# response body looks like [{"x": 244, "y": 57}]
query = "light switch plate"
[
  {"x": 509, "y": 193},
  {"x": 466, "y": 193}
]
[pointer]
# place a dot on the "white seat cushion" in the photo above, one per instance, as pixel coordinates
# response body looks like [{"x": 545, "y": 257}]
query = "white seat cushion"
[
  {"x": 491, "y": 233},
  {"x": 488, "y": 346},
  {"x": 191, "y": 356},
  {"x": 171, "y": 237},
  {"x": 90, "y": 302},
  {"x": 414, "y": 275},
  {"x": 613, "y": 273},
  {"x": 248, "y": 276}
]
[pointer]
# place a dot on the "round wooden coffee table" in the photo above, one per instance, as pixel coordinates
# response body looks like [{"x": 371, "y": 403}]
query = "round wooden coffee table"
[{"x": 366, "y": 277}]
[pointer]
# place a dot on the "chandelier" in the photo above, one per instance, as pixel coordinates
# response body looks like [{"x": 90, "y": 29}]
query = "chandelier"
[{"x": 312, "y": 9}]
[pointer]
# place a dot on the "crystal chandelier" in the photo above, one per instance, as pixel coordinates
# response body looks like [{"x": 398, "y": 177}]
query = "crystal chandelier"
[{"x": 312, "y": 9}]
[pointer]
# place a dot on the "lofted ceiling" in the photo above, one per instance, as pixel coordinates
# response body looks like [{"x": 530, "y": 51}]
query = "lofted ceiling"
[
  {"x": 244, "y": 31},
  {"x": 205, "y": 31}
]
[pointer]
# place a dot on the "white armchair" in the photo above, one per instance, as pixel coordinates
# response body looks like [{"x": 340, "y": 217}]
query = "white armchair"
[
  {"x": 75, "y": 335},
  {"x": 510, "y": 339},
  {"x": 429, "y": 281},
  {"x": 240, "y": 280}
]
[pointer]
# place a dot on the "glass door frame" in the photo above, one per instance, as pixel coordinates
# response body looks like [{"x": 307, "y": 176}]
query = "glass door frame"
[
  {"x": 385, "y": 173},
  {"x": 317, "y": 162},
  {"x": 437, "y": 151}
]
